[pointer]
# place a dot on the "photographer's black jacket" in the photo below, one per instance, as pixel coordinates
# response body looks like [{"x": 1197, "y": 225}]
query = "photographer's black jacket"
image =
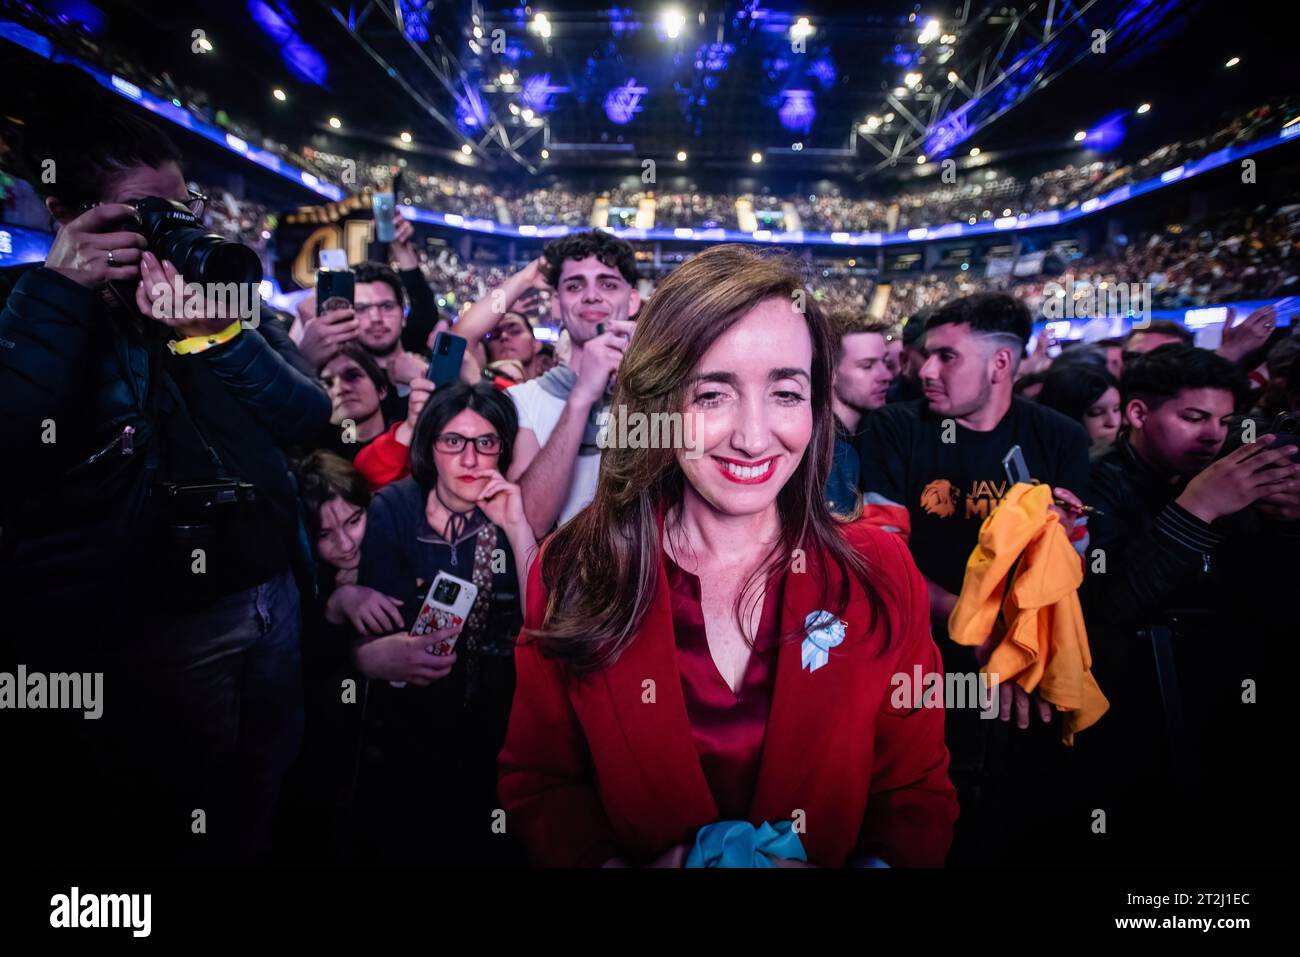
[{"x": 81, "y": 383}]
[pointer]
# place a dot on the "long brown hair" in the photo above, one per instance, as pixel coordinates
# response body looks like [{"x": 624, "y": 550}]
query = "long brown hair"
[{"x": 600, "y": 569}]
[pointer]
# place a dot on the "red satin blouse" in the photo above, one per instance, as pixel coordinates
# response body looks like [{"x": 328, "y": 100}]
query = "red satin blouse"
[{"x": 728, "y": 728}]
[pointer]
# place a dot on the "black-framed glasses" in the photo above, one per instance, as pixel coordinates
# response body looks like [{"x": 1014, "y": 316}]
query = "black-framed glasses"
[
  {"x": 198, "y": 203},
  {"x": 452, "y": 443}
]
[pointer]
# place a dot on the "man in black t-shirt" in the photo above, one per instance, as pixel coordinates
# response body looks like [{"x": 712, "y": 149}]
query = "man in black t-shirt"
[{"x": 931, "y": 470}]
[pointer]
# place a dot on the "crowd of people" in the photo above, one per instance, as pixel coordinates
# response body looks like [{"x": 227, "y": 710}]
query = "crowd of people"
[
  {"x": 981, "y": 195},
  {"x": 381, "y": 582}
]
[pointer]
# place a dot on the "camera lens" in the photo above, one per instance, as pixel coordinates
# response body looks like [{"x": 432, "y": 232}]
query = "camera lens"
[{"x": 175, "y": 234}]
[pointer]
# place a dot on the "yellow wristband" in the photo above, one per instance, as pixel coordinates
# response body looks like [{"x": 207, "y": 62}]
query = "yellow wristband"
[{"x": 188, "y": 347}]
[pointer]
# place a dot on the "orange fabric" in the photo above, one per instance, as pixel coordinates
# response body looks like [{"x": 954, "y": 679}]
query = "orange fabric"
[{"x": 1040, "y": 641}]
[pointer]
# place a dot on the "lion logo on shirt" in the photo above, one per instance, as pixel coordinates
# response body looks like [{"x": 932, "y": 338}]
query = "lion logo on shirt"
[{"x": 939, "y": 498}]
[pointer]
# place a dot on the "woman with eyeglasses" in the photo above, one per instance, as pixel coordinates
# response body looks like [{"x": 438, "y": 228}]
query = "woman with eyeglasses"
[{"x": 434, "y": 724}]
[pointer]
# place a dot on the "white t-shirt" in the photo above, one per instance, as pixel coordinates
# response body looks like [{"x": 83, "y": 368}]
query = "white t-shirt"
[{"x": 540, "y": 411}]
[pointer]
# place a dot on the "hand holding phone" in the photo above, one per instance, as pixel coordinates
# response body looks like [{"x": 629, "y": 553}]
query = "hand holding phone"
[
  {"x": 448, "y": 354},
  {"x": 446, "y": 606},
  {"x": 382, "y": 205}
]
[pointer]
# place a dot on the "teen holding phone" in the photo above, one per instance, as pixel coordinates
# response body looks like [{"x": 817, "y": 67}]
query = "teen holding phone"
[{"x": 430, "y": 747}]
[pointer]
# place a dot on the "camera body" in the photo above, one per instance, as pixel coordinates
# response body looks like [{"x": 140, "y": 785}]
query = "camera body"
[{"x": 174, "y": 233}]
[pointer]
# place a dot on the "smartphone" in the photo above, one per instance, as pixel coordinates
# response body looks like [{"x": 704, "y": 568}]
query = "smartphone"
[
  {"x": 382, "y": 205},
  {"x": 1014, "y": 464},
  {"x": 448, "y": 603},
  {"x": 1286, "y": 429},
  {"x": 334, "y": 280},
  {"x": 448, "y": 353}
]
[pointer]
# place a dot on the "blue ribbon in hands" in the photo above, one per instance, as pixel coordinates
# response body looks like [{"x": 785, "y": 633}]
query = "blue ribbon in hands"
[{"x": 740, "y": 844}]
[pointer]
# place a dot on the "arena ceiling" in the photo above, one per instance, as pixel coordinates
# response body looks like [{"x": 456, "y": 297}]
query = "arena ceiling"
[{"x": 836, "y": 88}]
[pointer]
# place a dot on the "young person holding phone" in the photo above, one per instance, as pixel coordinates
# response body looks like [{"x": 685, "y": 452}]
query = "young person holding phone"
[
  {"x": 427, "y": 775},
  {"x": 704, "y": 643}
]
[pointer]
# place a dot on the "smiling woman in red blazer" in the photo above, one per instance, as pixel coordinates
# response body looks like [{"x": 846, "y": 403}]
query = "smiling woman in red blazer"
[{"x": 705, "y": 642}]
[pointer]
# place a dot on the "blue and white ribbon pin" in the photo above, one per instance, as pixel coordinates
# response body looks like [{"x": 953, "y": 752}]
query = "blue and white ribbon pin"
[{"x": 825, "y": 632}]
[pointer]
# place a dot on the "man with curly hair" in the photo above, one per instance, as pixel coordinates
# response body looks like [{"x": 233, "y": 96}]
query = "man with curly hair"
[{"x": 557, "y": 458}]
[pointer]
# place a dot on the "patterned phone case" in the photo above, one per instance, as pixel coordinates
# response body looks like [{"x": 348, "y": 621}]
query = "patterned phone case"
[{"x": 433, "y": 619}]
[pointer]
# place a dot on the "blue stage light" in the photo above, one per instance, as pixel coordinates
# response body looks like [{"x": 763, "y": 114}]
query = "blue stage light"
[
  {"x": 299, "y": 56},
  {"x": 623, "y": 102},
  {"x": 824, "y": 71},
  {"x": 797, "y": 111},
  {"x": 539, "y": 95}
]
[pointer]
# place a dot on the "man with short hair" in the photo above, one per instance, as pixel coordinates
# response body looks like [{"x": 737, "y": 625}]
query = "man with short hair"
[
  {"x": 1153, "y": 335},
  {"x": 409, "y": 323},
  {"x": 932, "y": 471},
  {"x": 379, "y": 305},
  {"x": 907, "y": 385},
  {"x": 1174, "y": 571},
  {"x": 861, "y": 381},
  {"x": 556, "y": 457},
  {"x": 1113, "y": 350}
]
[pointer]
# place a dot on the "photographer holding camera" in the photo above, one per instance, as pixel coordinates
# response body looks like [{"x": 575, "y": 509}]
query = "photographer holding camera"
[{"x": 151, "y": 530}]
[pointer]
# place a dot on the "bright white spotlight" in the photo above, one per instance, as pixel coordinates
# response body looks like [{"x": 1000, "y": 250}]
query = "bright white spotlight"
[
  {"x": 1233, "y": 62},
  {"x": 514, "y": 108},
  {"x": 756, "y": 157},
  {"x": 406, "y": 137},
  {"x": 975, "y": 151},
  {"x": 466, "y": 148},
  {"x": 1080, "y": 136},
  {"x": 1144, "y": 108},
  {"x": 681, "y": 156},
  {"x": 279, "y": 94},
  {"x": 929, "y": 33},
  {"x": 912, "y": 80},
  {"x": 952, "y": 76},
  {"x": 920, "y": 160},
  {"x": 801, "y": 29},
  {"x": 526, "y": 113},
  {"x": 542, "y": 26},
  {"x": 506, "y": 79},
  {"x": 546, "y": 154},
  {"x": 335, "y": 122},
  {"x": 205, "y": 45},
  {"x": 672, "y": 20}
]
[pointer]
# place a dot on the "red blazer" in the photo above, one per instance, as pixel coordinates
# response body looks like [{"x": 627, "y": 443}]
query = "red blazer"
[{"x": 589, "y": 771}]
